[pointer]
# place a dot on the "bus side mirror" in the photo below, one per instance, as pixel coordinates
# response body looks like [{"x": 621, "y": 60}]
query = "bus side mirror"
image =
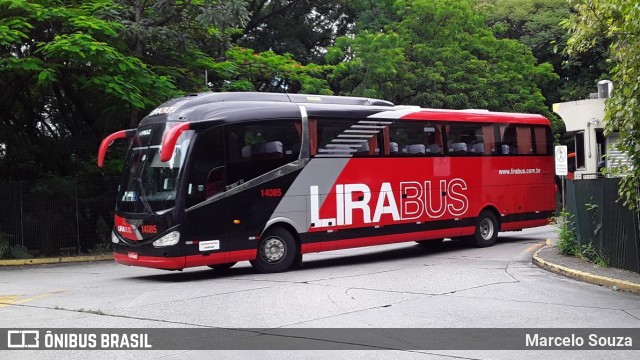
[
  {"x": 104, "y": 145},
  {"x": 170, "y": 139}
]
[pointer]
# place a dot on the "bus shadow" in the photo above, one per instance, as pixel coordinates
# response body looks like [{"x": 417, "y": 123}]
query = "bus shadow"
[
  {"x": 382, "y": 255},
  {"x": 446, "y": 247}
]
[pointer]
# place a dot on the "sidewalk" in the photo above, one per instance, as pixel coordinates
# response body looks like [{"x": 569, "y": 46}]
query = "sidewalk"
[
  {"x": 56, "y": 260},
  {"x": 550, "y": 258}
]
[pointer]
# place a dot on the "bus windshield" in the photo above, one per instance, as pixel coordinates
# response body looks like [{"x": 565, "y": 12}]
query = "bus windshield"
[{"x": 149, "y": 185}]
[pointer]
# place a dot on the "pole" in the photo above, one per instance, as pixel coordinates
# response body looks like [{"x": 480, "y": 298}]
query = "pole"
[
  {"x": 77, "y": 219},
  {"x": 562, "y": 191}
]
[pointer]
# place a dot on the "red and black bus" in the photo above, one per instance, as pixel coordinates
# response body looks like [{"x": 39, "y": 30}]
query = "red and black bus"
[{"x": 211, "y": 179}]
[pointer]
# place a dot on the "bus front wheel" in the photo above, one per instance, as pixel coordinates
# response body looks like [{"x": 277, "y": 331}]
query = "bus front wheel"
[
  {"x": 276, "y": 252},
  {"x": 487, "y": 228}
]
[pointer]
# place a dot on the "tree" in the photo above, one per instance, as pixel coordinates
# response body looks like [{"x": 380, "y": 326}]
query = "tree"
[
  {"x": 66, "y": 78},
  {"x": 302, "y": 28},
  {"x": 537, "y": 24},
  {"x": 246, "y": 70},
  {"x": 76, "y": 70},
  {"x": 619, "y": 23},
  {"x": 438, "y": 54}
]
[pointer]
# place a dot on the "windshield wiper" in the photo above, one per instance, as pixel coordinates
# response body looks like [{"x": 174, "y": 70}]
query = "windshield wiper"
[{"x": 143, "y": 196}]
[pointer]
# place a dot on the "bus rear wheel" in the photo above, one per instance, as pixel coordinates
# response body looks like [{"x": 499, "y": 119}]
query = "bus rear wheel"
[
  {"x": 222, "y": 267},
  {"x": 276, "y": 252},
  {"x": 487, "y": 229}
]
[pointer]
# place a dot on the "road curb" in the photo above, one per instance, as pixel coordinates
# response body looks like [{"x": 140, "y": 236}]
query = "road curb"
[
  {"x": 585, "y": 276},
  {"x": 57, "y": 260}
]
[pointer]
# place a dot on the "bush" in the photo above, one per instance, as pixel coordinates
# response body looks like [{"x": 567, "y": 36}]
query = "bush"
[
  {"x": 567, "y": 243},
  {"x": 4, "y": 245}
]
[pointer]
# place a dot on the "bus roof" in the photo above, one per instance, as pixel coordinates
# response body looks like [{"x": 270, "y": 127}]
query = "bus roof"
[
  {"x": 471, "y": 115},
  {"x": 242, "y": 106}
]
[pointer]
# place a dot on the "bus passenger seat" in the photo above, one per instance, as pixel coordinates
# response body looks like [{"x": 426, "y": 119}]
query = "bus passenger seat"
[
  {"x": 416, "y": 149},
  {"x": 458, "y": 148},
  {"x": 363, "y": 150},
  {"x": 434, "y": 149},
  {"x": 393, "y": 147},
  {"x": 477, "y": 148},
  {"x": 246, "y": 151},
  {"x": 271, "y": 149},
  {"x": 504, "y": 149}
]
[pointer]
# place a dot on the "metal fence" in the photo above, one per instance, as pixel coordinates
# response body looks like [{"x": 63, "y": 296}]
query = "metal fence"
[
  {"x": 612, "y": 229},
  {"x": 56, "y": 217}
]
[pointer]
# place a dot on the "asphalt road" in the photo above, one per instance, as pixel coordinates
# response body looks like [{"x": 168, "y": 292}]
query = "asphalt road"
[{"x": 392, "y": 286}]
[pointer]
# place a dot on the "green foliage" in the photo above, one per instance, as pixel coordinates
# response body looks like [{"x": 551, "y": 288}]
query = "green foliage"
[
  {"x": 68, "y": 77},
  {"x": 302, "y": 28},
  {"x": 567, "y": 243},
  {"x": 537, "y": 24},
  {"x": 589, "y": 253},
  {"x": 4, "y": 245},
  {"x": 246, "y": 70},
  {"x": 100, "y": 248},
  {"x": 619, "y": 23},
  {"x": 440, "y": 54}
]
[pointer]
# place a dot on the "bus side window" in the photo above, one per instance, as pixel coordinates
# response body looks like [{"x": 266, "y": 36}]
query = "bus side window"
[
  {"x": 206, "y": 175},
  {"x": 347, "y": 137},
  {"x": 466, "y": 139},
  {"x": 414, "y": 138},
  {"x": 542, "y": 135},
  {"x": 255, "y": 148},
  {"x": 508, "y": 140},
  {"x": 525, "y": 145}
]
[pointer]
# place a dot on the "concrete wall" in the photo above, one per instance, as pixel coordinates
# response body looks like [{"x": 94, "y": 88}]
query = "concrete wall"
[{"x": 584, "y": 116}]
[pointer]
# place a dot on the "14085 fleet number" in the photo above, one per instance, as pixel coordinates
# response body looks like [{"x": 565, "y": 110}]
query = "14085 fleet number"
[{"x": 270, "y": 192}]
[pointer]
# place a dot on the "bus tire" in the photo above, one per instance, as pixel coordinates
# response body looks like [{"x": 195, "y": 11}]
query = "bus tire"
[
  {"x": 222, "y": 267},
  {"x": 487, "y": 229},
  {"x": 276, "y": 252}
]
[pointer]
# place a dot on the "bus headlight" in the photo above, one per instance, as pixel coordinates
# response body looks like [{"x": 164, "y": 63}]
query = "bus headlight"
[
  {"x": 114, "y": 237},
  {"x": 170, "y": 239}
]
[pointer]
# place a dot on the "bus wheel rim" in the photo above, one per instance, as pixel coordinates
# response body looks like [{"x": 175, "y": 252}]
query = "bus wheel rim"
[
  {"x": 486, "y": 229},
  {"x": 273, "y": 250}
]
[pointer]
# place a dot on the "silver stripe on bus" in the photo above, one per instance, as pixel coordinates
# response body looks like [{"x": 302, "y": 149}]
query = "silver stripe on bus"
[
  {"x": 368, "y": 126},
  {"x": 362, "y": 131},
  {"x": 353, "y": 138},
  {"x": 375, "y": 122},
  {"x": 305, "y": 152},
  {"x": 343, "y": 145}
]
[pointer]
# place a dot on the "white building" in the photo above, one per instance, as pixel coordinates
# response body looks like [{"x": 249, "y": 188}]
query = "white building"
[{"x": 593, "y": 150}]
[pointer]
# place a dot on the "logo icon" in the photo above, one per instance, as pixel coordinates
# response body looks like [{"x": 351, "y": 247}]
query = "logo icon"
[{"x": 23, "y": 339}]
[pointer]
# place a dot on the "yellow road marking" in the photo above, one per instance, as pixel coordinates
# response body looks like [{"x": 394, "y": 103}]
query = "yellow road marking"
[
  {"x": 534, "y": 247},
  {"x": 6, "y": 300}
]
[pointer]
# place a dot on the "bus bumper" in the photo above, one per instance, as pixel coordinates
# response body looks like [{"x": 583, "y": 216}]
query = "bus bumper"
[
  {"x": 181, "y": 262},
  {"x": 156, "y": 262}
]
